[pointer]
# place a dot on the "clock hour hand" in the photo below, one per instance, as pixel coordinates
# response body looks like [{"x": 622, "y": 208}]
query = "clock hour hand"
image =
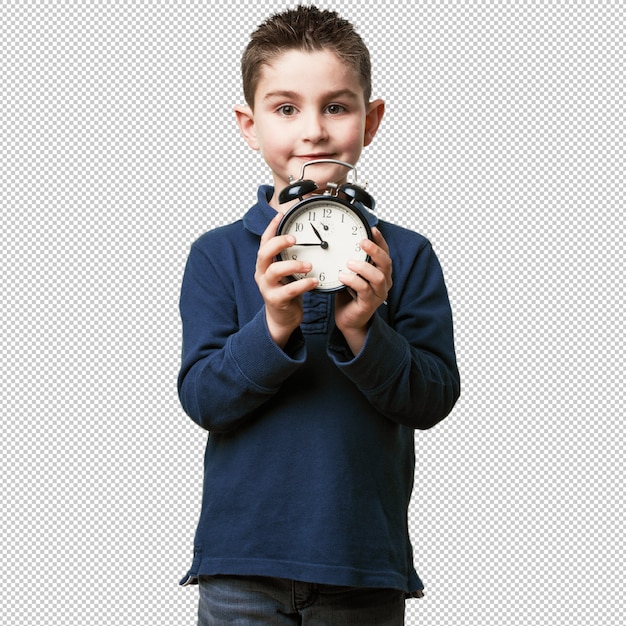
[{"x": 324, "y": 244}]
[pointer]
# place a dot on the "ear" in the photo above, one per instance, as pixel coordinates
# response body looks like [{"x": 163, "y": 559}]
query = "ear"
[
  {"x": 245, "y": 121},
  {"x": 373, "y": 117}
]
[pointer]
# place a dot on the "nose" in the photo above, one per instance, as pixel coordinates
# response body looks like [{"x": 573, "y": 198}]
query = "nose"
[{"x": 314, "y": 128}]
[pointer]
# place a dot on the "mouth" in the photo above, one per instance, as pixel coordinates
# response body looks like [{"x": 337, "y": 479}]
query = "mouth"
[{"x": 313, "y": 157}]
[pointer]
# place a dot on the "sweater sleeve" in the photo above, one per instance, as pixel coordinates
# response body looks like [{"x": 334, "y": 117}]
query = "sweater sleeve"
[
  {"x": 229, "y": 369},
  {"x": 407, "y": 368}
]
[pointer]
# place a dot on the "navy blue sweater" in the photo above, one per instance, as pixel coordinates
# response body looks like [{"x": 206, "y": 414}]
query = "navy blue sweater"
[{"x": 310, "y": 459}]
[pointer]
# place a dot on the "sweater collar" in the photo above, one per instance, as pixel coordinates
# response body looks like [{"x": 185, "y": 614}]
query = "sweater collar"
[{"x": 261, "y": 214}]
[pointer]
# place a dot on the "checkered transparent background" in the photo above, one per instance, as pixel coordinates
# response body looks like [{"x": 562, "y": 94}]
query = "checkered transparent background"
[{"x": 503, "y": 143}]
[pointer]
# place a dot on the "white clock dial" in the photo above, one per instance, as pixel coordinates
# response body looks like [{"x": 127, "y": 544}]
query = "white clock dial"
[{"x": 328, "y": 233}]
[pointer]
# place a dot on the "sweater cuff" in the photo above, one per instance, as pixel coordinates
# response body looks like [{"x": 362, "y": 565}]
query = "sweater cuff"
[
  {"x": 260, "y": 360},
  {"x": 382, "y": 354}
]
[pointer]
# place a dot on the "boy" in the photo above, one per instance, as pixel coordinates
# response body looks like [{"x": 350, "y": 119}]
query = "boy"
[{"x": 310, "y": 399}]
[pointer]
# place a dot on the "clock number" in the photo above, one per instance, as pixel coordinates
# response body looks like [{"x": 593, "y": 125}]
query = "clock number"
[
  {"x": 327, "y": 213},
  {"x": 322, "y": 277},
  {"x": 311, "y": 216},
  {"x": 294, "y": 257},
  {"x": 355, "y": 231},
  {"x": 299, "y": 227}
]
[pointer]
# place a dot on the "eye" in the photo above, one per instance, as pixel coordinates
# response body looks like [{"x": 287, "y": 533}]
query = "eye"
[
  {"x": 287, "y": 110},
  {"x": 335, "y": 109}
]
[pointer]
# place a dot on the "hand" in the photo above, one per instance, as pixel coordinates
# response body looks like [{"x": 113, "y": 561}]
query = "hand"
[
  {"x": 367, "y": 289},
  {"x": 283, "y": 299}
]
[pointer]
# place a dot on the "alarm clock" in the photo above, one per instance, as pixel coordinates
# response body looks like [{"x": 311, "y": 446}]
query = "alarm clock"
[{"x": 328, "y": 226}]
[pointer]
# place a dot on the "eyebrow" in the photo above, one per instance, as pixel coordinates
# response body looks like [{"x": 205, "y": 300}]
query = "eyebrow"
[{"x": 292, "y": 95}]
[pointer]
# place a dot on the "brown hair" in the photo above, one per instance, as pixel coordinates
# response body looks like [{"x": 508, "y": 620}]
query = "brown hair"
[{"x": 308, "y": 29}]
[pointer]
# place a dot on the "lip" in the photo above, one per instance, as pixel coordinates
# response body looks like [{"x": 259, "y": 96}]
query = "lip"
[{"x": 313, "y": 157}]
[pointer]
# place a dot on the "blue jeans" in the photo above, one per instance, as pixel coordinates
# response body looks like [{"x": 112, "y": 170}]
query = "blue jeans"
[{"x": 246, "y": 601}]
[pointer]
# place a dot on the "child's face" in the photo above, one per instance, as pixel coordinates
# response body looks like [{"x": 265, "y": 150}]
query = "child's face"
[{"x": 309, "y": 105}]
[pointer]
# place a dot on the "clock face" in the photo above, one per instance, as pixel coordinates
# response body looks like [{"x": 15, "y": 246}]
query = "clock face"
[{"x": 328, "y": 233}]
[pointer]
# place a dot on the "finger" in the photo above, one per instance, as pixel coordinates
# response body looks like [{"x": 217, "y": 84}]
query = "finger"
[
  {"x": 366, "y": 280},
  {"x": 355, "y": 283},
  {"x": 270, "y": 248},
  {"x": 282, "y": 295},
  {"x": 271, "y": 245},
  {"x": 364, "y": 274},
  {"x": 299, "y": 287},
  {"x": 379, "y": 240},
  {"x": 280, "y": 270},
  {"x": 379, "y": 255}
]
